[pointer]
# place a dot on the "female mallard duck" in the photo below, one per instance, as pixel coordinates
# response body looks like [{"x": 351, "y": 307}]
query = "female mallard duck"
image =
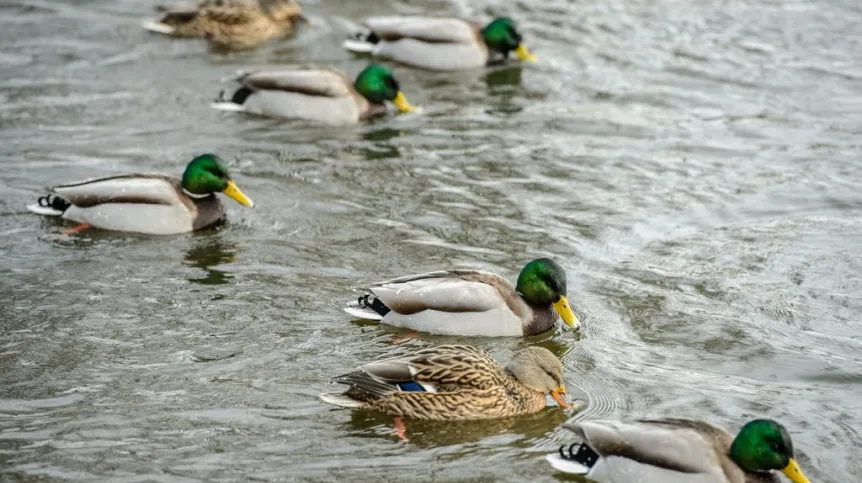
[
  {"x": 320, "y": 95},
  {"x": 679, "y": 450},
  {"x": 156, "y": 204},
  {"x": 471, "y": 302},
  {"x": 231, "y": 24},
  {"x": 440, "y": 43},
  {"x": 454, "y": 382}
]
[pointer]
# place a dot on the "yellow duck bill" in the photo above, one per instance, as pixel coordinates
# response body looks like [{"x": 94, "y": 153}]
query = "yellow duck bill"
[
  {"x": 523, "y": 53},
  {"x": 234, "y": 192},
  {"x": 794, "y": 472},
  {"x": 401, "y": 103},
  {"x": 562, "y": 307}
]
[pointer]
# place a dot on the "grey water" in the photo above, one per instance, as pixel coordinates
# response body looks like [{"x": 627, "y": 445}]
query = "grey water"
[{"x": 694, "y": 166}]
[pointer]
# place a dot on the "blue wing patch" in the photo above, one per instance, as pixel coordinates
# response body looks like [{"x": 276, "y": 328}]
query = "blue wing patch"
[{"x": 410, "y": 387}]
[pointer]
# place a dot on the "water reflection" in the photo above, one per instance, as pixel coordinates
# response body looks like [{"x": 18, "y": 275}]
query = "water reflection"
[
  {"x": 379, "y": 148},
  {"x": 502, "y": 85},
  {"x": 549, "y": 341},
  {"x": 209, "y": 251},
  {"x": 504, "y": 77},
  {"x": 444, "y": 433}
]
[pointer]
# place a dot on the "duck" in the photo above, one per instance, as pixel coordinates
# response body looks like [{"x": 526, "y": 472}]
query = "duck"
[
  {"x": 316, "y": 94},
  {"x": 229, "y": 24},
  {"x": 668, "y": 450},
  {"x": 471, "y": 302},
  {"x": 454, "y": 382},
  {"x": 148, "y": 203},
  {"x": 440, "y": 43}
]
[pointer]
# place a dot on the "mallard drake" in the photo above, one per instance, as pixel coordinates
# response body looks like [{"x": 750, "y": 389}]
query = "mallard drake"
[
  {"x": 320, "y": 95},
  {"x": 156, "y": 204},
  {"x": 454, "y": 382},
  {"x": 439, "y": 43},
  {"x": 471, "y": 302},
  {"x": 679, "y": 450},
  {"x": 231, "y": 24}
]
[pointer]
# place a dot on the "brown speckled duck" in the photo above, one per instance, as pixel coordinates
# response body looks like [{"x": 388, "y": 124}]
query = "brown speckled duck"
[
  {"x": 229, "y": 24},
  {"x": 454, "y": 382}
]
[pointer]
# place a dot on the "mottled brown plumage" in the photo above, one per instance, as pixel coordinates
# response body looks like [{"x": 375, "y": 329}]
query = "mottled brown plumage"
[
  {"x": 459, "y": 383},
  {"x": 231, "y": 24}
]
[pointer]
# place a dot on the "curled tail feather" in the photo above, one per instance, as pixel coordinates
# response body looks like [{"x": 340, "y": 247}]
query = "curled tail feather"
[
  {"x": 368, "y": 307},
  {"x": 578, "y": 462},
  {"x": 49, "y": 205},
  {"x": 362, "y": 43}
]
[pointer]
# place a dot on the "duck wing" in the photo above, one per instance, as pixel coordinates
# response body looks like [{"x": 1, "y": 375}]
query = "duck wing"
[
  {"x": 426, "y": 29},
  {"x": 678, "y": 446},
  {"x": 453, "y": 291},
  {"x": 313, "y": 82},
  {"x": 152, "y": 189},
  {"x": 446, "y": 367},
  {"x": 456, "y": 366},
  {"x": 196, "y": 19},
  {"x": 229, "y": 13}
]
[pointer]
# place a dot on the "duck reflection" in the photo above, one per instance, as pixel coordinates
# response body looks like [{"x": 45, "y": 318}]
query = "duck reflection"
[
  {"x": 503, "y": 85},
  {"x": 445, "y": 433},
  {"x": 549, "y": 341},
  {"x": 380, "y": 147},
  {"x": 503, "y": 77},
  {"x": 209, "y": 251}
]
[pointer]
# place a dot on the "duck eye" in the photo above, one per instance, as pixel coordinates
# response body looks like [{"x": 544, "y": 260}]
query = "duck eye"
[{"x": 392, "y": 83}]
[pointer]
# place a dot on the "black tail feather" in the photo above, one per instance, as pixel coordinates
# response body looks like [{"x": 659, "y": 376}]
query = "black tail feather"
[
  {"x": 585, "y": 455},
  {"x": 240, "y": 95},
  {"x": 370, "y": 37},
  {"x": 369, "y": 301},
  {"x": 54, "y": 202}
]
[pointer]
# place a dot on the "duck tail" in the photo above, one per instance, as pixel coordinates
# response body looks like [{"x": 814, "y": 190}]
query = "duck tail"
[
  {"x": 578, "y": 462},
  {"x": 340, "y": 399},
  {"x": 362, "y": 43},
  {"x": 157, "y": 26},
  {"x": 364, "y": 385},
  {"x": 368, "y": 307},
  {"x": 49, "y": 205},
  {"x": 234, "y": 102}
]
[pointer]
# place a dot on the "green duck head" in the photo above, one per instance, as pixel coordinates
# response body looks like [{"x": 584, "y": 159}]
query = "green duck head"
[
  {"x": 208, "y": 174},
  {"x": 501, "y": 35},
  {"x": 764, "y": 445},
  {"x": 542, "y": 282},
  {"x": 377, "y": 84}
]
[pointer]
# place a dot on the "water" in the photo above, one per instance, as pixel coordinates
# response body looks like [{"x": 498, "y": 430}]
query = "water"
[{"x": 693, "y": 165}]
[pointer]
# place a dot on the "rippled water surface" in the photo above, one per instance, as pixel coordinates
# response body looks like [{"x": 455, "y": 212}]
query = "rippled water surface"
[{"x": 695, "y": 167}]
